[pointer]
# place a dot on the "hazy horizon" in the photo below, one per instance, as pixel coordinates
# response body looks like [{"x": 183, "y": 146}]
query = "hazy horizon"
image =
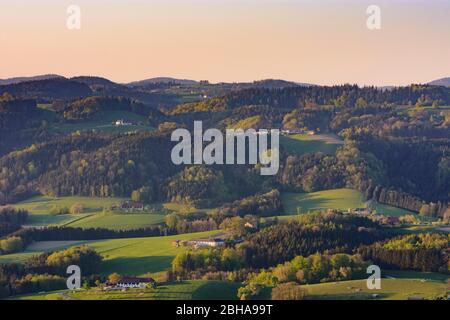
[
  {"x": 319, "y": 42},
  {"x": 212, "y": 82}
]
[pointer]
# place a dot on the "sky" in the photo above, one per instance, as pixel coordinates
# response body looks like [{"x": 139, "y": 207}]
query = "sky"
[{"x": 314, "y": 41}]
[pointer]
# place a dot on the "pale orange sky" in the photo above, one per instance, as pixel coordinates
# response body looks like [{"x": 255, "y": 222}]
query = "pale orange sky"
[{"x": 315, "y": 41}]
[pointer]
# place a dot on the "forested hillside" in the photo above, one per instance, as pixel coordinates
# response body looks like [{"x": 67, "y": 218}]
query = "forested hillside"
[{"x": 396, "y": 147}]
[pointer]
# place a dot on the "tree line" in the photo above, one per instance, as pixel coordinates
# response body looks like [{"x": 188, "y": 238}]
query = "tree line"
[
  {"x": 423, "y": 252},
  {"x": 47, "y": 271},
  {"x": 11, "y": 220}
]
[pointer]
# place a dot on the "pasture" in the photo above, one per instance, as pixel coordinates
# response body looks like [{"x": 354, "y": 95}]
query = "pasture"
[{"x": 300, "y": 144}]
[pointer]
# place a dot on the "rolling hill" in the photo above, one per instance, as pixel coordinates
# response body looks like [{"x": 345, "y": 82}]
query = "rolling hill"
[
  {"x": 54, "y": 88},
  {"x": 26, "y": 79},
  {"x": 441, "y": 82},
  {"x": 143, "y": 83}
]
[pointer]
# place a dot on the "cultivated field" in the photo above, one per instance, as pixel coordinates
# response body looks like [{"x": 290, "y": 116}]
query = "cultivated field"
[{"x": 300, "y": 144}]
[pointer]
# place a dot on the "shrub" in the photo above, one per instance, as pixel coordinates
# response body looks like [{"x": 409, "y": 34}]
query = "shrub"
[{"x": 288, "y": 291}]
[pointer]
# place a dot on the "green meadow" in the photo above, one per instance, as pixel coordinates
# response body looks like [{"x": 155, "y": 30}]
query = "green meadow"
[
  {"x": 341, "y": 199},
  {"x": 398, "y": 285},
  {"x": 389, "y": 210},
  {"x": 298, "y": 203},
  {"x": 40, "y": 207},
  {"x": 414, "y": 229},
  {"x": 300, "y": 144},
  {"x": 130, "y": 256},
  {"x": 141, "y": 255},
  {"x": 186, "y": 290},
  {"x": 94, "y": 215},
  {"x": 104, "y": 122},
  {"x": 118, "y": 221}
]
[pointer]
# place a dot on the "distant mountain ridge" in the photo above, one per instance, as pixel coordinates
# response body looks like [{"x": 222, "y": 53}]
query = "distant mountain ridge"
[
  {"x": 51, "y": 88},
  {"x": 16, "y": 80},
  {"x": 145, "y": 82},
  {"x": 441, "y": 82},
  {"x": 277, "y": 83},
  {"x": 94, "y": 80}
]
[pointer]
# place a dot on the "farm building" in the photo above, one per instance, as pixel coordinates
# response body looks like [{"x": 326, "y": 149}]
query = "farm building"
[
  {"x": 135, "y": 283},
  {"x": 361, "y": 211},
  {"x": 201, "y": 243},
  {"x": 132, "y": 206},
  {"x": 390, "y": 221},
  {"x": 122, "y": 122}
]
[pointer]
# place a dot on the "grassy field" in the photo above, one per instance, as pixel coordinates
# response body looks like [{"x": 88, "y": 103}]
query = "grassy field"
[
  {"x": 414, "y": 229},
  {"x": 39, "y": 208},
  {"x": 412, "y": 109},
  {"x": 93, "y": 215},
  {"x": 388, "y": 210},
  {"x": 142, "y": 255},
  {"x": 103, "y": 122},
  {"x": 399, "y": 285},
  {"x": 300, "y": 144},
  {"x": 343, "y": 199},
  {"x": 187, "y": 290},
  {"x": 131, "y": 256},
  {"x": 298, "y": 203},
  {"x": 118, "y": 221}
]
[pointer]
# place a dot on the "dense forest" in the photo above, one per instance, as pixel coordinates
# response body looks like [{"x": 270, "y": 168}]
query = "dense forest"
[
  {"x": 11, "y": 220},
  {"x": 424, "y": 252},
  {"x": 282, "y": 242},
  {"x": 47, "y": 271}
]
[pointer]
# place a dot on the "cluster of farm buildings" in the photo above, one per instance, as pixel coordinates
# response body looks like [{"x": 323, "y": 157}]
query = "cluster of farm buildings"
[
  {"x": 129, "y": 206},
  {"x": 131, "y": 283}
]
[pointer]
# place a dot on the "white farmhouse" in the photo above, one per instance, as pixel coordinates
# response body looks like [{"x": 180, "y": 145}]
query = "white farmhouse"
[{"x": 134, "y": 283}]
